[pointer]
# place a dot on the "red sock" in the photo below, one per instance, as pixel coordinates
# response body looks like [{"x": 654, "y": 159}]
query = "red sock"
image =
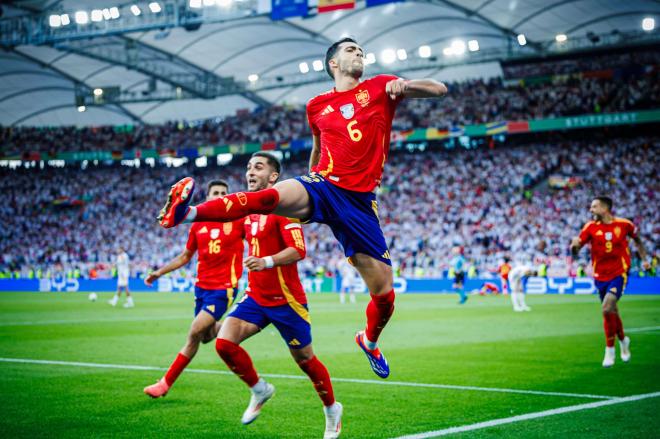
[
  {"x": 180, "y": 363},
  {"x": 320, "y": 377},
  {"x": 610, "y": 324},
  {"x": 379, "y": 311},
  {"x": 237, "y": 360},
  {"x": 619, "y": 327},
  {"x": 238, "y": 205}
]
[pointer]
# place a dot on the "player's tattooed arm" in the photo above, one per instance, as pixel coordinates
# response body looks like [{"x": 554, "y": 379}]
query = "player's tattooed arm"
[
  {"x": 287, "y": 256},
  {"x": 576, "y": 245},
  {"x": 415, "y": 88},
  {"x": 176, "y": 263},
  {"x": 642, "y": 252},
  {"x": 316, "y": 152}
]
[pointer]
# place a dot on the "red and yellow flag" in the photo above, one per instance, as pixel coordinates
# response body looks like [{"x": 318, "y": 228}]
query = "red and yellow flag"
[{"x": 333, "y": 5}]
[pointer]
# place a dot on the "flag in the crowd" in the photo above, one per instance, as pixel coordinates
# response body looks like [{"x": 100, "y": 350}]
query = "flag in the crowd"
[
  {"x": 333, "y": 5},
  {"x": 371, "y": 3},
  {"x": 282, "y": 9}
]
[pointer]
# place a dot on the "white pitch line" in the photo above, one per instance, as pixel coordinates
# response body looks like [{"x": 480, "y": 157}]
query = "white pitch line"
[
  {"x": 646, "y": 329},
  {"x": 303, "y": 377},
  {"x": 104, "y": 320},
  {"x": 528, "y": 416}
]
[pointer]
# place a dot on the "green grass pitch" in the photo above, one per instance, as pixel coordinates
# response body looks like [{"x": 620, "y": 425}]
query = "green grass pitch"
[{"x": 557, "y": 347}]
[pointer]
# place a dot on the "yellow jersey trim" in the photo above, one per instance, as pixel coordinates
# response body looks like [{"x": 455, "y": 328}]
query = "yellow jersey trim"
[{"x": 297, "y": 307}]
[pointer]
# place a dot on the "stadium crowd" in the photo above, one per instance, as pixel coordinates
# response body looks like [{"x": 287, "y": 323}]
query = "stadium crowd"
[
  {"x": 492, "y": 202},
  {"x": 469, "y": 102}
]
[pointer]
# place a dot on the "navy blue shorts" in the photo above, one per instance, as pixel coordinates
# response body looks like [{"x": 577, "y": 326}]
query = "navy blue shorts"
[
  {"x": 214, "y": 302},
  {"x": 614, "y": 286},
  {"x": 352, "y": 217},
  {"x": 293, "y": 325}
]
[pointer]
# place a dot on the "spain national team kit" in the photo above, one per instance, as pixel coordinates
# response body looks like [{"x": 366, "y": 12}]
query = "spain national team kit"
[
  {"x": 354, "y": 127},
  {"x": 275, "y": 295},
  {"x": 219, "y": 248},
  {"x": 610, "y": 253}
]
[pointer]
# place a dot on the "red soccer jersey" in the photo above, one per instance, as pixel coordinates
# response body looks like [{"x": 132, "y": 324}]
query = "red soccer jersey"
[
  {"x": 267, "y": 235},
  {"x": 610, "y": 254},
  {"x": 355, "y": 128},
  {"x": 219, "y": 248},
  {"x": 503, "y": 270}
]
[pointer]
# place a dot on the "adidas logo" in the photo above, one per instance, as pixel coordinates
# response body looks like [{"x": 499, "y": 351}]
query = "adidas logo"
[
  {"x": 294, "y": 342},
  {"x": 327, "y": 110}
]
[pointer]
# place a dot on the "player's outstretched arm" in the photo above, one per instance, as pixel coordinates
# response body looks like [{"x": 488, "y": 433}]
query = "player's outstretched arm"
[
  {"x": 415, "y": 88},
  {"x": 576, "y": 245},
  {"x": 176, "y": 263},
  {"x": 287, "y": 256},
  {"x": 642, "y": 252}
]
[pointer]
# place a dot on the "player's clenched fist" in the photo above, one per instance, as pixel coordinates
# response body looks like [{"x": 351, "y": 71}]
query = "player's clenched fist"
[
  {"x": 396, "y": 88},
  {"x": 255, "y": 264}
]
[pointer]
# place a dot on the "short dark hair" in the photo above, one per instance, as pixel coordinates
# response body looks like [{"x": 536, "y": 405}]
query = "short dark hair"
[
  {"x": 272, "y": 161},
  {"x": 606, "y": 201},
  {"x": 332, "y": 50},
  {"x": 216, "y": 183}
]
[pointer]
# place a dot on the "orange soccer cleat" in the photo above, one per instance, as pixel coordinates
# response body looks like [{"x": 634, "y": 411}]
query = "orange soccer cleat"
[{"x": 176, "y": 208}]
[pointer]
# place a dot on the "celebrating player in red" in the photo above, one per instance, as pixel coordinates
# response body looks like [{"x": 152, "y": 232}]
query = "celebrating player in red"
[
  {"x": 610, "y": 257},
  {"x": 274, "y": 295},
  {"x": 219, "y": 250},
  {"x": 351, "y": 127}
]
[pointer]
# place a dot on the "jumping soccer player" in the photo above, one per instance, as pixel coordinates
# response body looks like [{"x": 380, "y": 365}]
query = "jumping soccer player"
[
  {"x": 274, "y": 295},
  {"x": 219, "y": 250},
  {"x": 610, "y": 256},
  {"x": 123, "y": 272},
  {"x": 351, "y": 127}
]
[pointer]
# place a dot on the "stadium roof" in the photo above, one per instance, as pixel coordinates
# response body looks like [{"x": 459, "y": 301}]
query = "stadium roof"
[{"x": 38, "y": 81}]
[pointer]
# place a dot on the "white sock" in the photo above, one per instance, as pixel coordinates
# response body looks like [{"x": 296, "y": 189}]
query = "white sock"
[
  {"x": 192, "y": 213},
  {"x": 330, "y": 408},
  {"x": 352, "y": 296},
  {"x": 514, "y": 301},
  {"x": 260, "y": 387},
  {"x": 371, "y": 345},
  {"x": 521, "y": 300},
  {"x": 129, "y": 300},
  {"x": 342, "y": 297}
]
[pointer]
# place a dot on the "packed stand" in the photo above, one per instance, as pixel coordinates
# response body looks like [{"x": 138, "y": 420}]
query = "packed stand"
[
  {"x": 468, "y": 102},
  {"x": 492, "y": 202}
]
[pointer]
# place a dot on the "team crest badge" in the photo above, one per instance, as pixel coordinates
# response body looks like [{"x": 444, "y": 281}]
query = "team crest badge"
[
  {"x": 608, "y": 236},
  {"x": 215, "y": 233},
  {"x": 347, "y": 111},
  {"x": 362, "y": 97},
  {"x": 617, "y": 231},
  {"x": 242, "y": 198},
  {"x": 227, "y": 228}
]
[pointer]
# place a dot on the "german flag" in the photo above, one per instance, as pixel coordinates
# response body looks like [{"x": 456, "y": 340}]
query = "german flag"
[{"x": 333, "y": 5}]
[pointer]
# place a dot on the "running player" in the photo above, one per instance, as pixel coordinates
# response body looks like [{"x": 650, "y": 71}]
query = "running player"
[
  {"x": 351, "y": 127},
  {"x": 503, "y": 271},
  {"x": 274, "y": 295},
  {"x": 219, "y": 250},
  {"x": 123, "y": 272},
  {"x": 348, "y": 281},
  {"x": 516, "y": 279},
  {"x": 610, "y": 254}
]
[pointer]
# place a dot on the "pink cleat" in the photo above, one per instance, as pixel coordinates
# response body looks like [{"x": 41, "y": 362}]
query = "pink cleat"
[{"x": 157, "y": 390}]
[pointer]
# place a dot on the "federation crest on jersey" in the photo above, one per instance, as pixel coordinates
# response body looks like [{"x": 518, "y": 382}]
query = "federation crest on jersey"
[
  {"x": 227, "y": 228},
  {"x": 608, "y": 236},
  {"x": 347, "y": 111},
  {"x": 215, "y": 233},
  {"x": 617, "y": 231},
  {"x": 362, "y": 97}
]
